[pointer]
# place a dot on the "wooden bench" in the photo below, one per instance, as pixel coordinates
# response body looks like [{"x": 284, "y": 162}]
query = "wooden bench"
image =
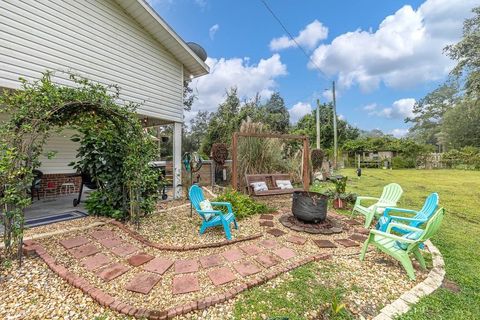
[{"x": 271, "y": 181}]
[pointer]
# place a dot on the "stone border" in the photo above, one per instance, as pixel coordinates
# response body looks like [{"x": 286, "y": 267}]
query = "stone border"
[
  {"x": 106, "y": 300},
  {"x": 430, "y": 284},
  {"x": 147, "y": 242}
]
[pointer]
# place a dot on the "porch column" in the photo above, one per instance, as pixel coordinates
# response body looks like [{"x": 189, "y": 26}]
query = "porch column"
[{"x": 177, "y": 160}]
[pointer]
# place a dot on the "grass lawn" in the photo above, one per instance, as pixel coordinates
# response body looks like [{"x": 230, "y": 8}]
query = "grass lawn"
[{"x": 458, "y": 240}]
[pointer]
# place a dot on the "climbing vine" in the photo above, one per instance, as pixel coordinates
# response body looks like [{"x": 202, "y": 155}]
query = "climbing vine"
[{"x": 40, "y": 107}]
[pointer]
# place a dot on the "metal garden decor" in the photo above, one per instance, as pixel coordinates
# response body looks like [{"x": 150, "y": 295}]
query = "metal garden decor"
[
  {"x": 34, "y": 111},
  {"x": 193, "y": 163}
]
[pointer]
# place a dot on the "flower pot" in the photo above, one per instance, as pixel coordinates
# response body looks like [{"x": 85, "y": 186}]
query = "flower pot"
[
  {"x": 309, "y": 206},
  {"x": 338, "y": 203}
]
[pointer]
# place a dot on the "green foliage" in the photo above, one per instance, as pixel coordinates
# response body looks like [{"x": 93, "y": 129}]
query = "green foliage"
[
  {"x": 429, "y": 111},
  {"x": 467, "y": 54},
  {"x": 307, "y": 126},
  {"x": 293, "y": 298},
  {"x": 407, "y": 150},
  {"x": 118, "y": 161},
  {"x": 465, "y": 158},
  {"x": 461, "y": 124},
  {"x": 243, "y": 205},
  {"x": 317, "y": 157},
  {"x": 42, "y": 106},
  {"x": 258, "y": 155},
  {"x": 401, "y": 162}
]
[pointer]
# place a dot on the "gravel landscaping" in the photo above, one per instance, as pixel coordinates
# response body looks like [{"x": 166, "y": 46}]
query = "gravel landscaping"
[{"x": 38, "y": 292}]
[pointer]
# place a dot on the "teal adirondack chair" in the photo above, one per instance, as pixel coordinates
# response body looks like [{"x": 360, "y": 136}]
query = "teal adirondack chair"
[
  {"x": 416, "y": 219},
  {"x": 401, "y": 247},
  {"x": 390, "y": 195},
  {"x": 212, "y": 218}
]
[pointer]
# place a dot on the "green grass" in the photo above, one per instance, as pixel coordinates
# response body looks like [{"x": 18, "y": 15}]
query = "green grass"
[
  {"x": 458, "y": 240},
  {"x": 293, "y": 298}
]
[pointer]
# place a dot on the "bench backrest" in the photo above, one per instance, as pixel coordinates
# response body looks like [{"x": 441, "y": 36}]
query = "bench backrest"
[{"x": 269, "y": 179}]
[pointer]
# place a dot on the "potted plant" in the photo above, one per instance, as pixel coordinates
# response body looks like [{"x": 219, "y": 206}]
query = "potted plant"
[{"x": 339, "y": 195}]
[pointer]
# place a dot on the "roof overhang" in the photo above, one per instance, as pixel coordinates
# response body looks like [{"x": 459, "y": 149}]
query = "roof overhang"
[{"x": 149, "y": 19}]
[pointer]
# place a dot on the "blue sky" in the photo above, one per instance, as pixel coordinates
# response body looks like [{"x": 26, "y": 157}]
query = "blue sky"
[{"x": 383, "y": 55}]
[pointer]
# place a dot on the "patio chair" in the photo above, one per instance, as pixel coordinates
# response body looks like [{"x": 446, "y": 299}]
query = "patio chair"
[
  {"x": 416, "y": 219},
  {"x": 390, "y": 195},
  {"x": 212, "y": 218},
  {"x": 401, "y": 247}
]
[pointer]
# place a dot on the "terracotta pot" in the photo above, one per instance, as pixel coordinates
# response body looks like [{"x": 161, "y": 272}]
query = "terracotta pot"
[{"x": 338, "y": 203}]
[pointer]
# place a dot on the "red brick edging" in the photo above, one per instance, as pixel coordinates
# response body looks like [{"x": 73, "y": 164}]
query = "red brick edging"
[
  {"x": 104, "y": 299},
  {"x": 140, "y": 238}
]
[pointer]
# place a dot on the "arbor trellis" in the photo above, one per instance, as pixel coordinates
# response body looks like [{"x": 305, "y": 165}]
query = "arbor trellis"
[{"x": 41, "y": 107}]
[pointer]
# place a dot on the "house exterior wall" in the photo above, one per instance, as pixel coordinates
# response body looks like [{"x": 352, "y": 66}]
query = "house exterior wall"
[
  {"x": 93, "y": 38},
  {"x": 65, "y": 152}
]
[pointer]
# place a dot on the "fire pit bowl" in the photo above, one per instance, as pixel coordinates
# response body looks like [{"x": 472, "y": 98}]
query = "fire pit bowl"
[{"x": 309, "y": 206}]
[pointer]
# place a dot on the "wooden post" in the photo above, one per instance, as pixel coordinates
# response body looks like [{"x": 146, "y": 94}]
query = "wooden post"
[
  {"x": 306, "y": 164},
  {"x": 234, "y": 161},
  {"x": 177, "y": 160}
]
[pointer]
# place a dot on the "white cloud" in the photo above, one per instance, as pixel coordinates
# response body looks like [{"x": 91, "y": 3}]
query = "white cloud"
[
  {"x": 226, "y": 73},
  {"x": 400, "y": 109},
  {"x": 370, "y": 107},
  {"x": 340, "y": 117},
  {"x": 307, "y": 38},
  {"x": 299, "y": 110},
  {"x": 213, "y": 30},
  {"x": 399, "y": 133},
  {"x": 328, "y": 94},
  {"x": 406, "y": 49}
]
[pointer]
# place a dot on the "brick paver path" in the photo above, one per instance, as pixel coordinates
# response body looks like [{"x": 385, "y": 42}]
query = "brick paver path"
[
  {"x": 74, "y": 242},
  {"x": 246, "y": 268},
  {"x": 143, "y": 282},
  {"x": 124, "y": 250},
  {"x": 139, "y": 259},
  {"x": 347, "y": 242},
  {"x": 211, "y": 261},
  {"x": 84, "y": 251},
  {"x": 137, "y": 268},
  {"x": 233, "y": 254},
  {"x": 94, "y": 262},
  {"x": 158, "y": 265},
  {"x": 221, "y": 276},
  {"x": 112, "y": 271},
  {"x": 186, "y": 266},
  {"x": 185, "y": 284}
]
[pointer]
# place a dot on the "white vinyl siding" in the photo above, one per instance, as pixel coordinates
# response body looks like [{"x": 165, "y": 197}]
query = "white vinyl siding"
[
  {"x": 65, "y": 152},
  {"x": 96, "y": 39}
]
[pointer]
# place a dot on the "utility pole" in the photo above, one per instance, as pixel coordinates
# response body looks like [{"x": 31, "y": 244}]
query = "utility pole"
[
  {"x": 335, "y": 142},
  {"x": 318, "y": 123}
]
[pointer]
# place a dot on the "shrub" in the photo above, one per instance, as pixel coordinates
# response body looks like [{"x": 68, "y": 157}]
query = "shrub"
[
  {"x": 465, "y": 158},
  {"x": 317, "y": 159},
  {"x": 401, "y": 162},
  {"x": 242, "y": 204}
]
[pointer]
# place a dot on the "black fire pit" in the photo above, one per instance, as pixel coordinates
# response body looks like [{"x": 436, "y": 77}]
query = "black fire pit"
[{"x": 309, "y": 207}]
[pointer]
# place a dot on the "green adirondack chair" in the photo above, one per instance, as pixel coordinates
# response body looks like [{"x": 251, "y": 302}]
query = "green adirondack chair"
[
  {"x": 390, "y": 195},
  {"x": 400, "y": 248}
]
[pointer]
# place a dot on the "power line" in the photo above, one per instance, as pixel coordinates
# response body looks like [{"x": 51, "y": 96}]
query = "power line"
[{"x": 293, "y": 39}]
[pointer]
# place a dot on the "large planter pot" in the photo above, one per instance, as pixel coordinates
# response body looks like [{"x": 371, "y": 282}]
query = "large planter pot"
[{"x": 309, "y": 206}]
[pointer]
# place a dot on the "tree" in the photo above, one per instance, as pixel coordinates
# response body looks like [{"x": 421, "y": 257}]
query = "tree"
[
  {"x": 223, "y": 122},
  {"x": 188, "y": 96},
  {"x": 275, "y": 115},
  {"x": 467, "y": 54},
  {"x": 194, "y": 134},
  {"x": 307, "y": 126},
  {"x": 428, "y": 113},
  {"x": 461, "y": 124}
]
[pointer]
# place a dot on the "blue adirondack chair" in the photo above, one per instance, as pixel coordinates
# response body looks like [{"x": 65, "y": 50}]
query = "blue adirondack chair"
[
  {"x": 416, "y": 219},
  {"x": 212, "y": 218}
]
